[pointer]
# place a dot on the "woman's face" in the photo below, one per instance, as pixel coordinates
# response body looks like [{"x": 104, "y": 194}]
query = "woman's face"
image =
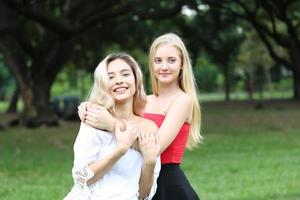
[
  {"x": 167, "y": 64},
  {"x": 121, "y": 80}
]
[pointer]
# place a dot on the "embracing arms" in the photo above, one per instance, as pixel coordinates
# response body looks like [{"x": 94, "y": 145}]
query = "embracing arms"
[
  {"x": 100, "y": 118},
  {"x": 148, "y": 144}
]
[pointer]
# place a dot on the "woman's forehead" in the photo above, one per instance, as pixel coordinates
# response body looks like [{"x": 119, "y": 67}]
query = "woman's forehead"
[
  {"x": 167, "y": 49},
  {"x": 118, "y": 65}
]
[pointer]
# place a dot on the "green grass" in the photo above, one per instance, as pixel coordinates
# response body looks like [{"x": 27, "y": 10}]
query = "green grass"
[
  {"x": 246, "y": 154},
  {"x": 240, "y": 95}
]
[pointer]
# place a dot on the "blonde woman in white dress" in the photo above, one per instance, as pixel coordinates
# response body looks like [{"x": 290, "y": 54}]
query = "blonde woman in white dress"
[{"x": 123, "y": 165}]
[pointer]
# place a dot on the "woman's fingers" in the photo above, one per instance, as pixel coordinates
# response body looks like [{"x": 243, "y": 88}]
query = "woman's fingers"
[{"x": 82, "y": 110}]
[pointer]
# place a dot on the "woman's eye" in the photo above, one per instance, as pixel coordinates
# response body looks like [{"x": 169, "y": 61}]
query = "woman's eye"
[
  {"x": 126, "y": 74},
  {"x": 172, "y": 60},
  {"x": 110, "y": 77},
  {"x": 157, "y": 61}
]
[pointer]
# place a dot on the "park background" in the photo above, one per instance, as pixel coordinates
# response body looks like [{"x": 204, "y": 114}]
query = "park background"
[{"x": 246, "y": 61}]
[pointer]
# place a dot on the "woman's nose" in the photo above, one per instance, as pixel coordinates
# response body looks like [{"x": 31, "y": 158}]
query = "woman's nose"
[
  {"x": 164, "y": 65},
  {"x": 119, "y": 80}
]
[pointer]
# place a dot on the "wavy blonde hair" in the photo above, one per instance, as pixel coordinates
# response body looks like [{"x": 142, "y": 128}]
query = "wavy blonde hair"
[
  {"x": 186, "y": 81},
  {"x": 100, "y": 93}
]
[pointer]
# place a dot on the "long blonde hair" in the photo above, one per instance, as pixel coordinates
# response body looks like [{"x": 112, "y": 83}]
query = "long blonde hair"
[
  {"x": 186, "y": 81},
  {"x": 100, "y": 91}
]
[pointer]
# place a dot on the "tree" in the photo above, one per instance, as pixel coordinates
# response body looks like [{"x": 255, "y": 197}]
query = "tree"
[
  {"x": 276, "y": 23},
  {"x": 37, "y": 38},
  {"x": 256, "y": 63},
  {"x": 216, "y": 34}
]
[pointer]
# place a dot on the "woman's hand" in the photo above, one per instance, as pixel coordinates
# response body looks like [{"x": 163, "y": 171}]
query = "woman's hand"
[
  {"x": 125, "y": 138},
  {"x": 149, "y": 146},
  {"x": 82, "y": 108},
  {"x": 96, "y": 116}
]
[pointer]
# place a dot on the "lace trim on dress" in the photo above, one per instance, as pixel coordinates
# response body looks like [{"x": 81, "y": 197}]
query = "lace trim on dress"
[
  {"x": 81, "y": 177},
  {"x": 81, "y": 191}
]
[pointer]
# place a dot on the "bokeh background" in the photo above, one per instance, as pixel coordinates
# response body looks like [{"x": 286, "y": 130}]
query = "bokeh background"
[{"x": 246, "y": 61}]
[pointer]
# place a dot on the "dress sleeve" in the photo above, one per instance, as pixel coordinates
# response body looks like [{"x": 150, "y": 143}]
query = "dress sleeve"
[
  {"x": 155, "y": 176},
  {"x": 86, "y": 149}
]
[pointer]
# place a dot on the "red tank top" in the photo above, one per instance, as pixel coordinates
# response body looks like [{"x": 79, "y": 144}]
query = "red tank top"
[{"x": 175, "y": 151}]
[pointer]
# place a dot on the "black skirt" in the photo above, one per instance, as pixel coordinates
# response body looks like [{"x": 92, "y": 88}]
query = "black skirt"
[{"x": 172, "y": 184}]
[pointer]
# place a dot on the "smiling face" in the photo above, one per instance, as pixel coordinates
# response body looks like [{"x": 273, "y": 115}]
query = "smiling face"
[
  {"x": 167, "y": 64},
  {"x": 121, "y": 80}
]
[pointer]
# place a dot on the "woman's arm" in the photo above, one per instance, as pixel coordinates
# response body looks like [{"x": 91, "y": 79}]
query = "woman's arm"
[
  {"x": 87, "y": 169},
  {"x": 125, "y": 140},
  {"x": 100, "y": 167},
  {"x": 179, "y": 112},
  {"x": 96, "y": 116},
  {"x": 149, "y": 146}
]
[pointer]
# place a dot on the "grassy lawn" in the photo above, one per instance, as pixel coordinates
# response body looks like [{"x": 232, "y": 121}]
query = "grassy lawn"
[{"x": 247, "y": 154}]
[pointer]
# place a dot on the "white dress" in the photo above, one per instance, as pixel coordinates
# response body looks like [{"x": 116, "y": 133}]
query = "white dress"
[{"x": 121, "y": 182}]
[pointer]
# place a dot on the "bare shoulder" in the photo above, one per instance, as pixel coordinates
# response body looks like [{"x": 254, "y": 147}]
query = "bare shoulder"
[
  {"x": 150, "y": 98},
  {"x": 185, "y": 103},
  {"x": 183, "y": 99},
  {"x": 150, "y": 106}
]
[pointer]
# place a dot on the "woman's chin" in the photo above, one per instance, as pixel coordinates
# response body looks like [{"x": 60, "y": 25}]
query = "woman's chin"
[{"x": 121, "y": 99}]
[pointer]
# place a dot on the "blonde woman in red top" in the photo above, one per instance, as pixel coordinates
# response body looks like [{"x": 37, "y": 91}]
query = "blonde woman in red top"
[{"x": 173, "y": 106}]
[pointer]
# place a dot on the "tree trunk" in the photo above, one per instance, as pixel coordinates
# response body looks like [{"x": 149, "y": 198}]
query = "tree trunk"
[
  {"x": 37, "y": 109},
  {"x": 35, "y": 81},
  {"x": 226, "y": 83},
  {"x": 13, "y": 104},
  {"x": 296, "y": 85},
  {"x": 295, "y": 60},
  {"x": 29, "y": 110},
  {"x": 18, "y": 68},
  {"x": 249, "y": 85},
  {"x": 44, "y": 112}
]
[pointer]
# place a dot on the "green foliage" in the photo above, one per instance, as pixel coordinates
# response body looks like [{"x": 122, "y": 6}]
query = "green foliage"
[
  {"x": 253, "y": 53},
  {"x": 255, "y": 64},
  {"x": 206, "y": 74},
  {"x": 7, "y": 82},
  {"x": 276, "y": 23},
  {"x": 142, "y": 59},
  {"x": 71, "y": 82}
]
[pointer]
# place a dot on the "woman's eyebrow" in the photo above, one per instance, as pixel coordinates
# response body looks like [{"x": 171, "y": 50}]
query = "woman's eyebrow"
[{"x": 125, "y": 70}]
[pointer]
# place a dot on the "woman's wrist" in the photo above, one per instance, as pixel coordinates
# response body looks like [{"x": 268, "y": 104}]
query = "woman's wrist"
[
  {"x": 111, "y": 126},
  {"x": 121, "y": 150},
  {"x": 150, "y": 161},
  {"x": 120, "y": 123}
]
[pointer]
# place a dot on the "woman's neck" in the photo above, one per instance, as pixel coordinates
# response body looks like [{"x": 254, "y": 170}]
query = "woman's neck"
[
  {"x": 167, "y": 90},
  {"x": 125, "y": 111}
]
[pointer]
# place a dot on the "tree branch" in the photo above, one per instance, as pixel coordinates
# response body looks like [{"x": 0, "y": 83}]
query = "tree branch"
[
  {"x": 252, "y": 18},
  {"x": 15, "y": 61},
  {"x": 103, "y": 16},
  {"x": 223, "y": 9},
  {"x": 271, "y": 51},
  {"x": 160, "y": 13},
  {"x": 98, "y": 9},
  {"x": 58, "y": 25}
]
